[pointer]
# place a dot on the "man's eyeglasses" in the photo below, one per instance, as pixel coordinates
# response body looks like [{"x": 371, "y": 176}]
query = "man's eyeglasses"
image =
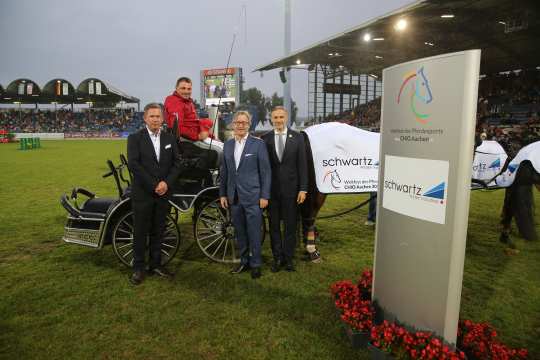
[{"x": 240, "y": 123}]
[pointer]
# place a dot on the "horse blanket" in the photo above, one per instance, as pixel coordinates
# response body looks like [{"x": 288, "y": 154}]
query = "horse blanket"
[{"x": 346, "y": 158}]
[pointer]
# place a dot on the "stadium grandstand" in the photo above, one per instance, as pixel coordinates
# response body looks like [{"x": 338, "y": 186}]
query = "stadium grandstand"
[
  {"x": 106, "y": 113},
  {"x": 346, "y": 69}
]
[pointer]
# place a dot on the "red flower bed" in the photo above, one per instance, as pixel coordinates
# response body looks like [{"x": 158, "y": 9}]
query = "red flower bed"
[{"x": 477, "y": 340}]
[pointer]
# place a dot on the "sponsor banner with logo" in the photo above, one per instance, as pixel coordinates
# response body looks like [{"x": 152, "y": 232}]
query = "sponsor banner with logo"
[
  {"x": 42, "y": 136},
  {"x": 427, "y": 141},
  {"x": 346, "y": 158},
  {"x": 91, "y": 135},
  {"x": 420, "y": 193},
  {"x": 489, "y": 159}
]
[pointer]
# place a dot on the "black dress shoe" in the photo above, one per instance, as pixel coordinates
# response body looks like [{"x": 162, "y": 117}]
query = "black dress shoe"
[
  {"x": 256, "y": 273},
  {"x": 276, "y": 266},
  {"x": 163, "y": 272},
  {"x": 289, "y": 266},
  {"x": 137, "y": 277},
  {"x": 239, "y": 268}
]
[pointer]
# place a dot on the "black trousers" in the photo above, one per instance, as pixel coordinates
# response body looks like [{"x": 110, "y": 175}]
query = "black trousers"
[
  {"x": 149, "y": 222},
  {"x": 286, "y": 209}
]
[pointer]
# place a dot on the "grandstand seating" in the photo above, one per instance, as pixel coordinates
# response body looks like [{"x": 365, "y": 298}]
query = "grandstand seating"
[{"x": 66, "y": 121}]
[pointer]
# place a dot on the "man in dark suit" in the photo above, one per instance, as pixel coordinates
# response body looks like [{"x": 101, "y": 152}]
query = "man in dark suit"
[
  {"x": 245, "y": 186},
  {"x": 289, "y": 186},
  {"x": 153, "y": 161}
]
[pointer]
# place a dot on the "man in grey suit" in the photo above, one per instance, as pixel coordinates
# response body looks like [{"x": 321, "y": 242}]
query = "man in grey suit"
[{"x": 245, "y": 186}]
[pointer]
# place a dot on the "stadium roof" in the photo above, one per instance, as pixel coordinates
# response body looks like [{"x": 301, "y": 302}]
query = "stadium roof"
[
  {"x": 26, "y": 91},
  {"x": 59, "y": 90},
  {"x": 96, "y": 90},
  {"x": 506, "y": 31},
  {"x": 23, "y": 91}
]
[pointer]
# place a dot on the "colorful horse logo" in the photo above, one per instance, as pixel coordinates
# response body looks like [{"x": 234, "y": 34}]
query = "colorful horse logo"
[
  {"x": 420, "y": 90},
  {"x": 334, "y": 178}
]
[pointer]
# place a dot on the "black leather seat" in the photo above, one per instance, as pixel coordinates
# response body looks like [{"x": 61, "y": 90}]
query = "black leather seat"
[{"x": 97, "y": 205}]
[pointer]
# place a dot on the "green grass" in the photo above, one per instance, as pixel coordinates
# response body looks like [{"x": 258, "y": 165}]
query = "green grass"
[{"x": 67, "y": 301}]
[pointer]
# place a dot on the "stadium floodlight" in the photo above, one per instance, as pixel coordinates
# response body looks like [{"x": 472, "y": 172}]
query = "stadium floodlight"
[
  {"x": 447, "y": 16},
  {"x": 298, "y": 62},
  {"x": 374, "y": 76},
  {"x": 367, "y": 37},
  {"x": 331, "y": 54},
  {"x": 378, "y": 57},
  {"x": 378, "y": 39},
  {"x": 502, "y": 23},
  {"x": 429, "y": 43},
  {"x": 401, "y": 25}
]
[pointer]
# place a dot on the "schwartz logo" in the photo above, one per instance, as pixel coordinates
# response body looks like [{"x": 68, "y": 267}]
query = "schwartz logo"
[
  {"x": 480, "y": 167},
  {"x": 433, "y": 194},
  {"x": 418, "y": 91},
  {"x": 360, "y": 161},
  {"x": 512, "y": 168},
  {"x": 495, "y": 164},
  {"x": 333, "y": 177}
]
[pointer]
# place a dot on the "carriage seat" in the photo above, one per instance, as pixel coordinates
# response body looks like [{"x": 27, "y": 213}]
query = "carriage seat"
[
  {"x": 97, "y": 205},
  {"x": 92, "y": 207}
]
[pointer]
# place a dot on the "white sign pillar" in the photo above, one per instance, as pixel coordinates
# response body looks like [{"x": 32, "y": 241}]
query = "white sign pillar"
[{"x": 427, "y": 137}]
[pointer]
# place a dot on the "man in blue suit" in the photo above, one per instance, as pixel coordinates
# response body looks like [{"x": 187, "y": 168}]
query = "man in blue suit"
[{"x": 245, "y": 186}]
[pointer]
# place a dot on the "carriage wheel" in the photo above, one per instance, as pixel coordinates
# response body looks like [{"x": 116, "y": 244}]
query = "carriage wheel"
[
  {"x": 214, "y": 232},
  {"x": 122, "y": 239}
]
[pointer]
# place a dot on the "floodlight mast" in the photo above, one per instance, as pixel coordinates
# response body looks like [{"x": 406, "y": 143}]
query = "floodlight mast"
[{"x": 287, "y": 49}]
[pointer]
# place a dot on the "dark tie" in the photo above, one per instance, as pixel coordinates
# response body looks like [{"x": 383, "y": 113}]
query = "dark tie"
[{"x": 280, "y": 147}]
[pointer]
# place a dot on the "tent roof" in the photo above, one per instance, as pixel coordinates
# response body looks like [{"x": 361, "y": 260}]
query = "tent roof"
[{"x": 506, "y": 31}]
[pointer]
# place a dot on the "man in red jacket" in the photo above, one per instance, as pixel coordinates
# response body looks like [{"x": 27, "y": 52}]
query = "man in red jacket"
[{"x": 179, "y": 105}]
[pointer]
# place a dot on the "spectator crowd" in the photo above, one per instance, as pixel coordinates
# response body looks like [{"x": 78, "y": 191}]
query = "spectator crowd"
[
  {"x": 66, "y": 121},
  {"x": 508, "y": 109}
]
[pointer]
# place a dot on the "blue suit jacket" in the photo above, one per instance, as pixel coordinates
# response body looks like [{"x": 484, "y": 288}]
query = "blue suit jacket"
[{"x": 252, "y": 180}]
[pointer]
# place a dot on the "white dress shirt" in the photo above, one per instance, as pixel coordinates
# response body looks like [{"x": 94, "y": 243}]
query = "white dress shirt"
[
  {"x": 238, "y": 149},
  {"x": 276, "y": 139},
  {"x": 155, "y": 141}
]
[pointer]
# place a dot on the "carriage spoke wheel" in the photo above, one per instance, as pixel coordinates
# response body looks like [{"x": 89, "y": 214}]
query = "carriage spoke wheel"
[
  {"x": 214, "y": 233},
  {"x": 122, "y": 239}
]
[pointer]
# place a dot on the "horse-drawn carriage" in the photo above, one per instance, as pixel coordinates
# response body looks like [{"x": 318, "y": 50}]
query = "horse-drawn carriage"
[{"x": 98, "y": 221}]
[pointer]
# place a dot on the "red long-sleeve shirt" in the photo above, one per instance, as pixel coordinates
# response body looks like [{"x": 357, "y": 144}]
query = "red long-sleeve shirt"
[{"x": 188, "y": 122}]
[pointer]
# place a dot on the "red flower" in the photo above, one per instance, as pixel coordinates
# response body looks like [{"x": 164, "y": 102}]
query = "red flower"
[{"x": 476, "y": 339}]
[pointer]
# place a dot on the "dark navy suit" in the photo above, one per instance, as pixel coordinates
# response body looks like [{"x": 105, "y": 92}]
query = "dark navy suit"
[
  {"x": 289, "y": 176},
  {"x": 244, "y": 187}
]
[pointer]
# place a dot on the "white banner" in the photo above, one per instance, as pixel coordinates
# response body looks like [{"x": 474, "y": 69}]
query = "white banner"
[
  {"x": 346, "y": 158},
  {"x": 42, "y": 136},
  {"x": 416, "y": 187}
]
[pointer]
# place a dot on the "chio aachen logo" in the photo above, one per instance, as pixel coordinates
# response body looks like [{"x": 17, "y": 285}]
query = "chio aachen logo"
[
  {"x": 419, "y": 90},
  {"x": 433, "y": 194},
  {"x": 333, "y": 177}
]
